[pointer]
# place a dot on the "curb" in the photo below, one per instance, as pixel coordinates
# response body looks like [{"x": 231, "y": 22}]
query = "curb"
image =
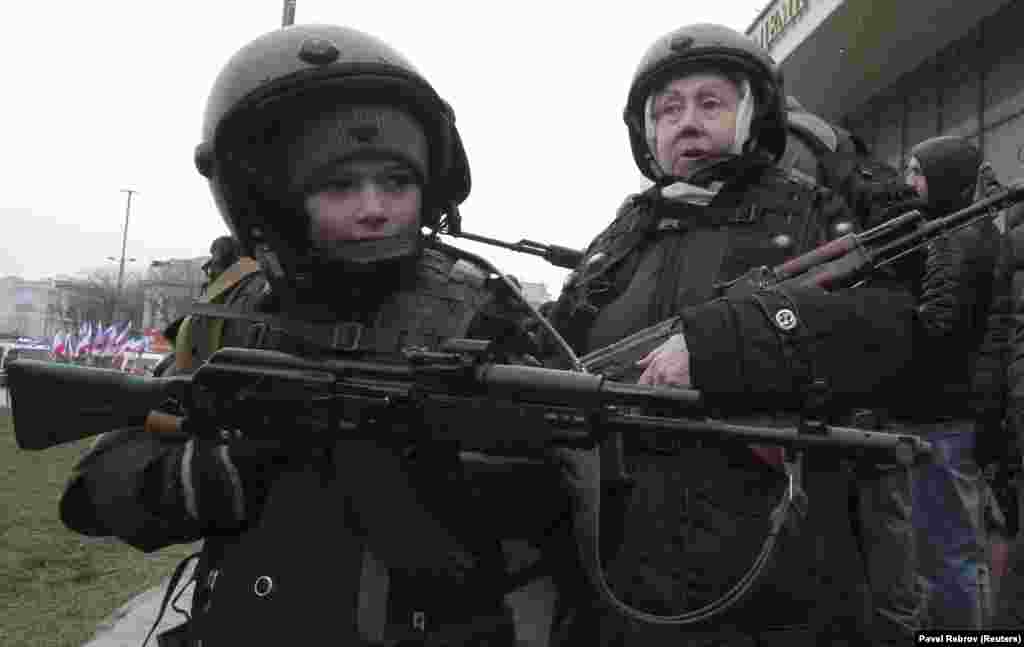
[{"x": 129, "y": 624}]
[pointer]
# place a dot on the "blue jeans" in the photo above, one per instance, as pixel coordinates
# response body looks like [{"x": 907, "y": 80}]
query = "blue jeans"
[{"x": 948, "y": 513}]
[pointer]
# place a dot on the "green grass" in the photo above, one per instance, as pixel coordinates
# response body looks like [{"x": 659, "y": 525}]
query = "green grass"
[{"x": 57, "y": 586}]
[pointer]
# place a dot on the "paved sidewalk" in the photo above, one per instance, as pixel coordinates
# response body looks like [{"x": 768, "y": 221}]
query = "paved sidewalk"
[{"x": 128, "y": 626}]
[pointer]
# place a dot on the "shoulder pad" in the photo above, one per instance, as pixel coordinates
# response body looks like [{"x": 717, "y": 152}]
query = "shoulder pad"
[
  {"x": 629, "y": 202},
  {"x": 435, "y": 261},
  {"x": 628, "y": 213},
  {"x": 230, "y": 279},
  {"x": 463, "y": 271},
  {"x": 446, "y": 264},
  {"x": 628, "y": 218},
  {"x": 813, "y": 127},
  {"x": 801, "y": 178},
  {"x": 777, "y": 175},
  {"x": 249, "y": 289}
]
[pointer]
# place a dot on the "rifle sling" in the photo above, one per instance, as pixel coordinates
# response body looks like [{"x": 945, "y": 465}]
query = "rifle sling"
[{"x": 585, "y": 485}]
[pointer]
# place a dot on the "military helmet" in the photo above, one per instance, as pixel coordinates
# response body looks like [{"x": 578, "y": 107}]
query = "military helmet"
[
  {"x": 265, "y": 88},
  {"x": 223, "y": 254},
  {"x": 697, "y": 48}
]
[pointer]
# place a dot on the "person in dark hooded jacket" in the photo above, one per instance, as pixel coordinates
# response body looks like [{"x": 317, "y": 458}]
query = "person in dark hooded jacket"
[
  {"x": 955, "y": 298},
  {"x": 1002, "y": 448}
]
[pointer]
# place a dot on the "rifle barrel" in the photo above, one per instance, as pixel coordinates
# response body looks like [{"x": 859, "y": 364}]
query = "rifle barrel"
[
  {"x": 1010, "y": 195},
  {"x": 965, "y": 217},
  {"x": 846, "y": 441},
  {"x": 554, "y": 254}
]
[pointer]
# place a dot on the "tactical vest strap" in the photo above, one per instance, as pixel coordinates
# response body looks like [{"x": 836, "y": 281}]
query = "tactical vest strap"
[
  {"x": 335, "y": 336},
  {"x": 215, "y": 292},
  {"x": 447, "y": 297},
  {"x": 748, "y": 214},
  {"x": 231, "y": 277}
]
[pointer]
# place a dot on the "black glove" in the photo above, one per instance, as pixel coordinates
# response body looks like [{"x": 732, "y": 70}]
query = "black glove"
[{"x": 223, "y": 485}]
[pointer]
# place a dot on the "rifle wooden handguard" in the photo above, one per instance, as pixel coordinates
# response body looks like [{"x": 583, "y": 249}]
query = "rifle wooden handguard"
[{"x": 159, "y": 422}]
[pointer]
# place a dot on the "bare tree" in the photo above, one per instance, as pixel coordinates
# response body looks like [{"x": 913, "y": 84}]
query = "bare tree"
[
  {"x": 94, "y": 297},
  {"x": 170, "y": 288}
]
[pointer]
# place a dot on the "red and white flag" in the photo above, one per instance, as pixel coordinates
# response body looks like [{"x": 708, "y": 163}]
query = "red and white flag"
[{"x": 58, "y": 344}]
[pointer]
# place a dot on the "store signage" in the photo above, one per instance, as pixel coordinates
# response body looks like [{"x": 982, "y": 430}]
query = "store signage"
[{"x": 775, "y": 21}]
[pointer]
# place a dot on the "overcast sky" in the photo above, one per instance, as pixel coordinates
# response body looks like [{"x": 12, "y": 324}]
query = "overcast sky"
[{"x": 105, "y": 96}]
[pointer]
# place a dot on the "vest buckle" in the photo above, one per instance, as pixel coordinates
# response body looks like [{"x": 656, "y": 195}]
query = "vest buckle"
[
  {"x": 746, "y": 215},
  {"x": 345, "y": 335},
  {"x": 257, "y": 335}
]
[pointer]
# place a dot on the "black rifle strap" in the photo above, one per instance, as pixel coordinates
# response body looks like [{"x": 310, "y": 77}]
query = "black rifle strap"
[
  {"x": 339, "y": 335},
  {"x": 172, "y": 584},
  {"x": 585, "y": 485}
]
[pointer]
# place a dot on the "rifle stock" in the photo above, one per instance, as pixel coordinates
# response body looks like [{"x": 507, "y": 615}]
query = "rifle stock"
[{"x": 53, "y": 403}]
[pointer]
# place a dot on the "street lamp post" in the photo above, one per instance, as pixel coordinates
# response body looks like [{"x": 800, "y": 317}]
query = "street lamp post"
[
  {"x": 289, "y": 13},
  {"x": 124, "y": 247}
]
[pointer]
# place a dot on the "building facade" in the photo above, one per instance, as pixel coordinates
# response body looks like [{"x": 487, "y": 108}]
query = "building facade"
[
  {"x": 46, "y": 307},
  {"x": 29, "y": 308},
  {"x": 897, "y": 73}
]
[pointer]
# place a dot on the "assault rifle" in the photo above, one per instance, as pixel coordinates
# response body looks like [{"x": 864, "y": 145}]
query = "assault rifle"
[
  {"x": 452, "y": 395},
  {"x": 844, "y": 262},
  {"x": 457, "y": 396}
]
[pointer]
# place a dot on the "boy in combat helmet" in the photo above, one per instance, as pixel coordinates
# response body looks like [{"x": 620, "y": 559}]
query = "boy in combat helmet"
[{"x": 327, "y": 154}]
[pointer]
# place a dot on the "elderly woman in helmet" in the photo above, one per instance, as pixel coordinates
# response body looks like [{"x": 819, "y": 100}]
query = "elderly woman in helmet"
[{"x": 706, "y": 124}]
